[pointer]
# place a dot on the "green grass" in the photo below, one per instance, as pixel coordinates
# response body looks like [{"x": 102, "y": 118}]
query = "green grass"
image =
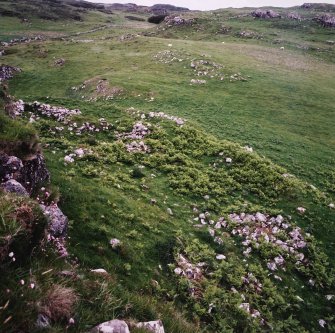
[{"x": 284, "y": 111}]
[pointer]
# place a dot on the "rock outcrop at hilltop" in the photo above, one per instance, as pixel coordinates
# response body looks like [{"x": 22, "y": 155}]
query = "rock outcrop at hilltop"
[
  {"x": 265, "y": 14},
  {"x": 326, "y": 20},
  {"x": 319, "y": 6},
  {"x": 158, "y": 9},
  {"x": 165, "y": 9}
]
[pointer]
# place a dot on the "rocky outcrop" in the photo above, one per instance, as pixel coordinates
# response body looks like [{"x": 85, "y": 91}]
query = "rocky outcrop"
[
  {"x": 112, "y": 326},
  {"x": 25, "y": 178},
  {"x": 10, "y": 167},
  {"x": 34, "y": 173},
  {"x": 265, "y": 14},
  {"x": 13, "y": 186},
  {"x": 31, "y": 174},
  {"x": 326, "y": 20},
  {"x": 166, "y": 9},
  {"x": 57, "y": 221}
]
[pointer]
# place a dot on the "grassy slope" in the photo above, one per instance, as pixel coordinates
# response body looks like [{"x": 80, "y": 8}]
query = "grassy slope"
[{"x": 274, "y": 112}]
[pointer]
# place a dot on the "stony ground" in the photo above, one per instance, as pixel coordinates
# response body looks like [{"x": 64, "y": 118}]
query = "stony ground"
[{"x": 166, "y": 217}]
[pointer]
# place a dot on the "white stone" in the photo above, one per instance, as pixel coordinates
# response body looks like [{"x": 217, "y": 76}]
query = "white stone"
[
  {"x": 301, "y": 210},
  {"x": 260, "y": 217},
  {"x": 220, "y": 257},
  {"x": 114, "y": 242},
  {"x": 169, "y": 211},
  {"x": 152, "y": 326},
  {"x": 112, "y": 326},
  {"x": 178, "y": 271},
  {"x": 99, "y": 271},
  {"x": 229, "y": 160}
]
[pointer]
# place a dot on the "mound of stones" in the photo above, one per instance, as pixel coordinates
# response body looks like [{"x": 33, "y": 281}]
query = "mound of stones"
[
  {"x": 178, "y": 21},
  {"x": 265, "y": 14},
  {"x": 7, "y": 72}
]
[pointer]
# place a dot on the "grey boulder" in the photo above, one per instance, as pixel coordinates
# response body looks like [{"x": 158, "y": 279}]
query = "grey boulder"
[
  {"x": 9, "y": 166},
  {"x": 12, "y": 186}
]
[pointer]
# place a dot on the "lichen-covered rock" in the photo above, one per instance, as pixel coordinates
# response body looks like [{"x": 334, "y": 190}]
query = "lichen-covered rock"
[
  {"x": 57, "y": 220},
  {"x": 10, "y": 166},
  {"x": 34, "y": 173},
  {"x": 112, "y": 326},
  {"x": 13, "y": 186},
  {"x": 152, "y": 326}
]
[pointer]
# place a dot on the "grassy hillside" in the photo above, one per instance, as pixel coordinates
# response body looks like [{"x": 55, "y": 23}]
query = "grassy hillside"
[{"x": 253, "y": 139}]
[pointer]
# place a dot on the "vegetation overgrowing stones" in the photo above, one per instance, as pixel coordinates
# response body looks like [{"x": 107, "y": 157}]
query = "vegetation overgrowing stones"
[{"x": 125, "y": 201}]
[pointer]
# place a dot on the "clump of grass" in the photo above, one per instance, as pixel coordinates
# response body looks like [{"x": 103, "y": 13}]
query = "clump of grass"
[
  {"x": 17, "y": 138},
  {"x": 58, "y": 304},
  {"x": 21, "y": 226}
]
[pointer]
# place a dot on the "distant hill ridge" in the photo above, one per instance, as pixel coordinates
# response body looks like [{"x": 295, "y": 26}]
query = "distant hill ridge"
[{"x": 156, "y": 9}]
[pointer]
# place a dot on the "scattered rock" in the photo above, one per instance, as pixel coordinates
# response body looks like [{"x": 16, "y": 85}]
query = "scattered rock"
[
  {"x": 250, "y": 34},
  {"x": 115, "y": 243},
  {"x": 112, "y": 326},
  {"x": 137, "y": 147},
  {"x": 194, "y": 81},
  {"x": 301, "y": 210},
  {"x": 12, "y": 186},
  {"x": 177, "y": 120},
  {"x": 57, "y": 220},
  {"x": 331, "y": 205},
  {"x": 169, "y": 211},
  {"x": 59, "y": 62},
  {"x": 152, "y": 326},
  {"x": 322, "y": 323},
  {"x": 220, "y": 257}
]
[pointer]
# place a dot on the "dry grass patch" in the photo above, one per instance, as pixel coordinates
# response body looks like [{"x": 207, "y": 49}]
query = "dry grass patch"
[{"x": 58, "y": 303}]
